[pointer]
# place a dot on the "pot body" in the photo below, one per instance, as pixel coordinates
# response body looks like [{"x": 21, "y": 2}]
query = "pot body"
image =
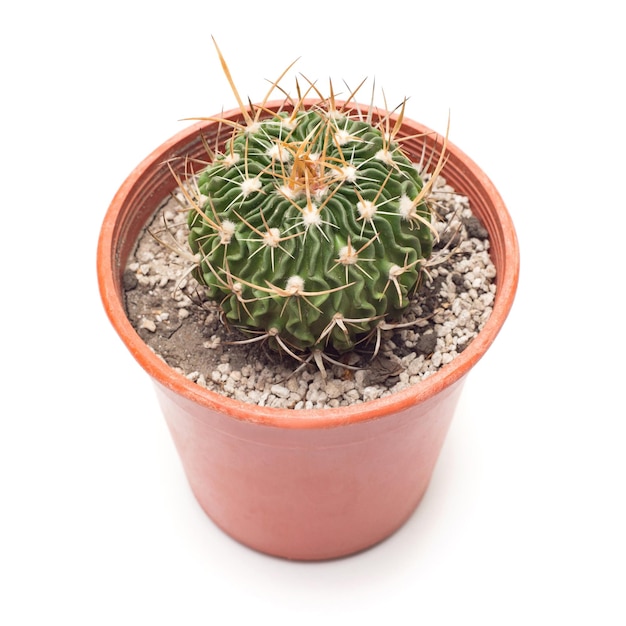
[
  {"x": 313, "y": 493},
  {"x": 310, "y": 484}
]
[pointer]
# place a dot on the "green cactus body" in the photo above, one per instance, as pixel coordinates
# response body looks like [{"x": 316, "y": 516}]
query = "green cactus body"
[{"x": 310, "y": 228}]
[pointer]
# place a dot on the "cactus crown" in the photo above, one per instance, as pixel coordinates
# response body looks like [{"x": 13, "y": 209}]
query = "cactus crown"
[{"x": 311, "y": 227}]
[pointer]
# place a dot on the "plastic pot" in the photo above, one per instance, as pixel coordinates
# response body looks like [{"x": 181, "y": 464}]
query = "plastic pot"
[{"x": 307, "y": 484}]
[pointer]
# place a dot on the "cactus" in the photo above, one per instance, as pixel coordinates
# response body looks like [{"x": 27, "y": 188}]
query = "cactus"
[{"x": 311, "y": 227}]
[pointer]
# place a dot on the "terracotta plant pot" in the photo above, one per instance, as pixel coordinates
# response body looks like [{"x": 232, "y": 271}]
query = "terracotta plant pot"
[{"x": 309, "y": 484}]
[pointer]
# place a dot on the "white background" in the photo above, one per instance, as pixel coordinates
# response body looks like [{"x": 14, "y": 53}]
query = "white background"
[{"x": 525, "y": 519}]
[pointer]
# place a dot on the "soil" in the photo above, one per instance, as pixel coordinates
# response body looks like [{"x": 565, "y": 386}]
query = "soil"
[{"x": 168, "y": 309}]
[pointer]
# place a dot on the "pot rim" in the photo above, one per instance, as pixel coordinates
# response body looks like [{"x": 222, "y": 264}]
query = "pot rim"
[{"x": 110, "y": 290}]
